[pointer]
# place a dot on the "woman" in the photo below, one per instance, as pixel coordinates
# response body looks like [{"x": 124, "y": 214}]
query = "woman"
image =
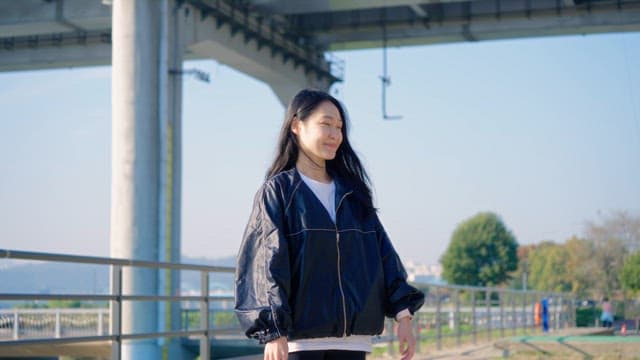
[
  {"x": 607, "y": 313},
  {"x": 316, "y": 271}
]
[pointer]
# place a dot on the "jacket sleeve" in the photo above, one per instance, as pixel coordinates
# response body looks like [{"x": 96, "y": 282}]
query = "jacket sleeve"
[
  {"x": 399, "y": 294},
  {"x": 262, "y": 282}
]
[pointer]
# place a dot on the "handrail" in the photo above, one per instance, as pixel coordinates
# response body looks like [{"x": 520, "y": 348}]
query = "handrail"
[
  {"x": 111, "y": 297},
  {"x": 66, "y": 311},
  {"x": 487, "y": 288},
  {"x": 27, "y": 255},
  {"x": 102, "y": 338}
]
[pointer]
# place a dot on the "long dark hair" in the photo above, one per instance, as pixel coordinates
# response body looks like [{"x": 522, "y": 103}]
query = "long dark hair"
[{"x": 346, "y": 165}]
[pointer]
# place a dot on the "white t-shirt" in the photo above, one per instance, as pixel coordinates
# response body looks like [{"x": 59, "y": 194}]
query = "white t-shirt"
[{"x": 325, "y": 192}]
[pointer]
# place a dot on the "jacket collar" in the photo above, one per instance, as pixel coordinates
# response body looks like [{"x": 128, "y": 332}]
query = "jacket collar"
[{"x": 343, "y": 188}]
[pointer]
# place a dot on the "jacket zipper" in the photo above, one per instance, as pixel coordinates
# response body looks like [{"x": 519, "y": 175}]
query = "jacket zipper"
[{"x": 344, "y": 302}]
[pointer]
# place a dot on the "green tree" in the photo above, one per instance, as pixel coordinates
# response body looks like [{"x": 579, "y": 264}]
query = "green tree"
[
  {"x": 557, "y": 267},
  {"x": 482, "y": 252},
  {"x": 64, "y": 304},
  {"x": 613, "y": 236},
  {"x": 580, "y": 266},
  {"x": 630, "y": 276},
  {"x": 517, "y": 277},
  {"x": 609, "y": 257},
  {"x": 548, "y": 268},
  {"x": 620, "y": 225}
]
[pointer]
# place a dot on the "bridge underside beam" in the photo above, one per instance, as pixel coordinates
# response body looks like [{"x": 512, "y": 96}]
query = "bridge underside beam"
[
  {"x": 33, "y": 17},
  {"x": 283, "y": 74},
  {"x": 45, "y": 55},
  {"x": 58, "y": 37},
  {"x": 255, "y": 47},
  {"x": 433, "y": 28},
  {"x": 36, "y": 34}
]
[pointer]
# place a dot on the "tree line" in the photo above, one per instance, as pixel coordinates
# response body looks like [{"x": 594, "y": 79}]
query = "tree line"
[{"x": 603, "y": 261}]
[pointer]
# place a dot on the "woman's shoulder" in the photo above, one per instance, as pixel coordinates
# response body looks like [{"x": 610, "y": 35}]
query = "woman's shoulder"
[
  {"x": 281, "y": 185},
  {"x": 282, "y": 180},
  {"x": 284, "y": 175}
]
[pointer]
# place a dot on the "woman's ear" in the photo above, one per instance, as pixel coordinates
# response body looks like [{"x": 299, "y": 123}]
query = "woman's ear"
[{"x": 295, "y": 125}]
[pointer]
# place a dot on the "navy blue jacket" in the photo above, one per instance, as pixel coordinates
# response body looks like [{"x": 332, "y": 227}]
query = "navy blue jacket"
[{"x": 300, "y": 275}]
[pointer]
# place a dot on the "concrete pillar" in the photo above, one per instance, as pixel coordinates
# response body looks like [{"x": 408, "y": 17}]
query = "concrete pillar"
[
  {"x": 172, "y": 21},
  {"x": 146, "y": 165}
]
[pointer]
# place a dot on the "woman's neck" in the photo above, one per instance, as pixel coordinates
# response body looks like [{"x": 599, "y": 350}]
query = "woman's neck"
[{"x": 312, "y": 170}]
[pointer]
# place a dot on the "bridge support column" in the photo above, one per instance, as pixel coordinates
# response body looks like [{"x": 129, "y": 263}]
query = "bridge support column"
[{"x": 146, "y": 165}]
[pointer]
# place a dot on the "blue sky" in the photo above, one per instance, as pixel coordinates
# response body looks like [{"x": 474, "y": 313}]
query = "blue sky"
[{"x": 544, "y": 132}]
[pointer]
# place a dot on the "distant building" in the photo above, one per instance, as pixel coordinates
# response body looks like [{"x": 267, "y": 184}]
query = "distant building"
[{"x": 423, "y": 273}]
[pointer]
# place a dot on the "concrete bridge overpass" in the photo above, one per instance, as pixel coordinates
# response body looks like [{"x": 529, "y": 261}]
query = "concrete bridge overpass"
[{"x": 285, "y": 43}]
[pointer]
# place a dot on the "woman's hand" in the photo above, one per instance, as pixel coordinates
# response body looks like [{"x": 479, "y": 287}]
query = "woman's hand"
[
  {"x": 406, "y": 340},
  {"x": 277, "y": 349}
]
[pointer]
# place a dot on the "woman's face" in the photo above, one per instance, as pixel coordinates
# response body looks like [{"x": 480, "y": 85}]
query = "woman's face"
[{"x": 320, "y": 134}]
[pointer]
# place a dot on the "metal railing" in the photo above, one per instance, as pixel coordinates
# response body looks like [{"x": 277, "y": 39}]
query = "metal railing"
[
  {"x": 16, "y": 324},
  {"x": 116, "y": 299},
  {"x": 20, "y": 324},
  {"x": 453, "y": 314}
]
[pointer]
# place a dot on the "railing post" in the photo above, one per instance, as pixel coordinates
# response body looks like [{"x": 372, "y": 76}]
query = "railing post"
[
  {"x": 574, "y": 322},
  {"x": 100, "y": 323},
  {"x": 487, "y": 299},
  {"x": 438, "y": 322},
  {"x": 57, "y": 331},
  {"x": 539, "y": 297},
  {"x": 555, "y": 301},
  {"x": 456, "y": 319},
  {"x": 390, "y": 334},
  {"x": 501, "y": 299},
  {"x": 558, "y": 312},
  {"x": 514, "y": 314},
  {"x": 417, "y": 329},
  {"x": 116, "y": 312},
  {"x": 567, "y": 313},
  {"x": 524, "y": 312},
  {"x": 16, "y": 325},
  {"x": 474, "y": 325},
  {"x": 204, "y": 316},
  {"x": 570, "y": 310}
]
